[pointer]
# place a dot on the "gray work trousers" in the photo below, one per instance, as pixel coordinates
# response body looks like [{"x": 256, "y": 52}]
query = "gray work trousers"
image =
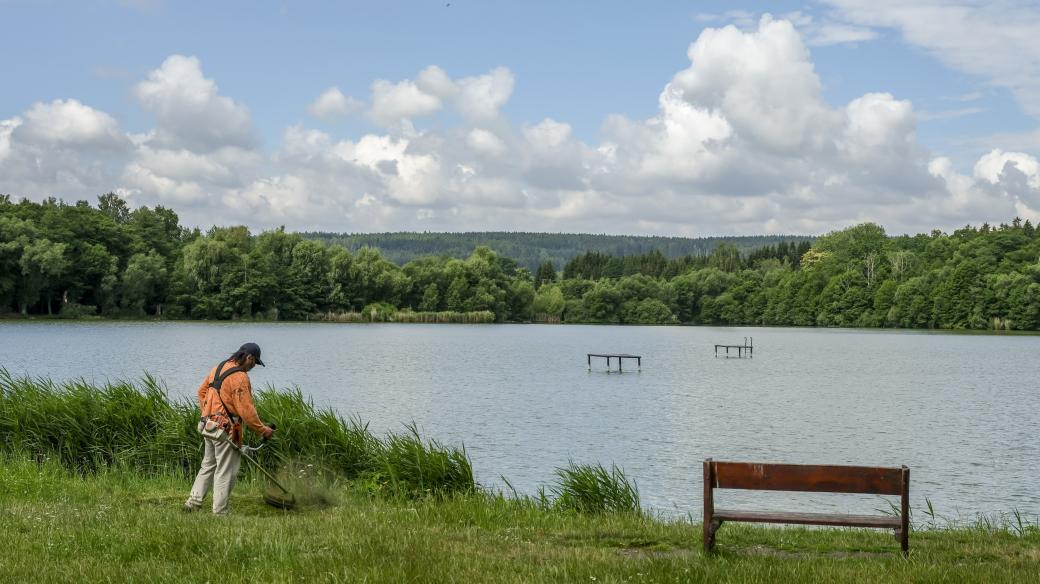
[{"x": 219, "y": 470}]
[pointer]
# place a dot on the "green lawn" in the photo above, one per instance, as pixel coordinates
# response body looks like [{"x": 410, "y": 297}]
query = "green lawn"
[{"x": 119, "y": 526}]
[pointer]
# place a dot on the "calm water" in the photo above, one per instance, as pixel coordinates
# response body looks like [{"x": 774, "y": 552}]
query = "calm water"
[{"x": 960, "y": 410}]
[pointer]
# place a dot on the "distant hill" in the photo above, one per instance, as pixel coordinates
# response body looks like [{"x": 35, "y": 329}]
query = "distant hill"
[{"x": 531, "y": 249}]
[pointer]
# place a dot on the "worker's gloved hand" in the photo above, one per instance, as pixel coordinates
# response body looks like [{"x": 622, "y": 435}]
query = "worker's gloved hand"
[{"x": 271, "y": 433}]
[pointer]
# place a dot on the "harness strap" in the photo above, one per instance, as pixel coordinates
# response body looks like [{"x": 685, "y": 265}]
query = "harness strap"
[
  {"x": 218, "y": 381},
  {"x": 218, "y": 377}
]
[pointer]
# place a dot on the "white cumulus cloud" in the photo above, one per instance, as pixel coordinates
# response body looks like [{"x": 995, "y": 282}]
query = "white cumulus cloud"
[
  {"x": 485, "y": 142},
  {"x": 482, "y": 96},
  {"x": 332, "y": 105},
  {"x": 190, "y": 111},
  {"x": 394, "y": 102},
  {"x": 70, "y": 123},
  {"x": 477, "y": 98},
  {"x": 6, "y": 129}
]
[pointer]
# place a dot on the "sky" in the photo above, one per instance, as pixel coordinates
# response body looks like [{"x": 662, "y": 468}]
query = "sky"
[{"x": 668, "y": 118}]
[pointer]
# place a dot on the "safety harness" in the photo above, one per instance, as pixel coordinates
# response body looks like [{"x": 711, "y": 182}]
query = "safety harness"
[{"x": 218, "y": 380}]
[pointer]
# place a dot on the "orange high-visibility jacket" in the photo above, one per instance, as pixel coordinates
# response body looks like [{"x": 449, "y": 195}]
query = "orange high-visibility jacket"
[{"x": 237, "y": 393}]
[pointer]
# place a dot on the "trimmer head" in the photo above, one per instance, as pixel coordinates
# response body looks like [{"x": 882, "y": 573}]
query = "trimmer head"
[
  {"x": 283, "y": 500},
  {"x": 280, "y": 500}
]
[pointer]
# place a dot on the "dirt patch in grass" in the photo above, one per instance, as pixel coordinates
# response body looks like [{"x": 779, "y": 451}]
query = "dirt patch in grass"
[
  {"x": 766, "y": 551},
  {"x": 173, "y": 501},
  {"x": 637, "y": 553},
  {"x": 1028, "y": 555}
]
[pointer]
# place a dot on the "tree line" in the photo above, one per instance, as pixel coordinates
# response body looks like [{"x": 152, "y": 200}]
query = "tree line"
[
  {"x": 530, "y": 250},
  {"x": 984, "y": 277},
  {"x": 109, "y": 260}
]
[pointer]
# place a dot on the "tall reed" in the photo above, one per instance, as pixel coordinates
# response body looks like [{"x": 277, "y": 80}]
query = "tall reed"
[
  {"x": 137, "y": 426},
  {"x": 121, "y": 424},
  {"x": 409, "y": 316},
  {"x": 591, "y": 488},
  {"x": 416, "y": 468},
  {"x": 86, "y": 426}
]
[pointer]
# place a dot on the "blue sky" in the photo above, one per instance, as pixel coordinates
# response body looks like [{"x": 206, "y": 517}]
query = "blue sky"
[{"x": 571, "y": 63}]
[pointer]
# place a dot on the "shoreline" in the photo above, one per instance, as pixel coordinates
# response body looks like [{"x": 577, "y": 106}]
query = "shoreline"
[{"x": 37, "y": 319}]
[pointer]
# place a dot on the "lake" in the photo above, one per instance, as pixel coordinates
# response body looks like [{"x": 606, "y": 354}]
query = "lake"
[{"x": 961, "y": 410}]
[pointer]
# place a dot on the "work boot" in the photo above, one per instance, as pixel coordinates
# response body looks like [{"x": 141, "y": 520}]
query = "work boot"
[{"x": 190, "y": 507}]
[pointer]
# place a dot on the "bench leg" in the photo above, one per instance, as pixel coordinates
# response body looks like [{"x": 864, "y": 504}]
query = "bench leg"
[
  {"x": 904, "y": 542},
  {"x": 710, "y": 528},
  {"x": 709, "y": 524},
  {"x": 904, "y": 530}
]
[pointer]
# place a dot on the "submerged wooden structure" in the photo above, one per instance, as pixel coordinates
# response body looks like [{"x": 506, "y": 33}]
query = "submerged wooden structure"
[
  {"x": 619, "y": 357},
  {"x": 745, "y": 350}
]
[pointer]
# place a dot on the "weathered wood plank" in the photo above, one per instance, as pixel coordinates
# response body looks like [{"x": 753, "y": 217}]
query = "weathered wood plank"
[
  {"x": 808, "y": 478},
  {"x": 875, "y": 521}
]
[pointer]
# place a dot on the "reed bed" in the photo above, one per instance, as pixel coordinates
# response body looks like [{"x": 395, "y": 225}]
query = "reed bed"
[
  {"x": 87, "y": 427},
  {"x": 409, "y": 316},
  {"x": 138, "y": 427},
  {"x": 446, "y": 317},
  {"x": 415, "y": 468},
  {"x": 591, "y": 488},
  {"x": 350, "y": 316}
]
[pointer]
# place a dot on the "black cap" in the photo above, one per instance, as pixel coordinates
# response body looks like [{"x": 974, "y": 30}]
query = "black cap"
[{"x": 254, "y": 350}]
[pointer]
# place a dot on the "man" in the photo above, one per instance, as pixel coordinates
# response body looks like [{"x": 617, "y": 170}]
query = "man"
[{"x": 226, "y": 400}]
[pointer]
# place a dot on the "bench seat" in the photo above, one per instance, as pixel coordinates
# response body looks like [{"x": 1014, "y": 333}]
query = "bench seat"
[{"x": 877, "y": 521}]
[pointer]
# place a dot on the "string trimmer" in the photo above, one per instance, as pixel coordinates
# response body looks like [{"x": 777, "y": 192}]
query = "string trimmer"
[{"x": 284, "y": 501}]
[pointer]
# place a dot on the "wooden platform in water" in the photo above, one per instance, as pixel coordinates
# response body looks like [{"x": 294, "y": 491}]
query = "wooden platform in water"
[
  {"x": 745, "y": 350},
  {"x": 618, "y": 356}
]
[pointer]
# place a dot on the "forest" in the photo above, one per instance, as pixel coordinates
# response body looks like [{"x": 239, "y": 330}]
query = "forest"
[
  {"x": 530, "y": 250},
  {"x": 106, "y": 260}
]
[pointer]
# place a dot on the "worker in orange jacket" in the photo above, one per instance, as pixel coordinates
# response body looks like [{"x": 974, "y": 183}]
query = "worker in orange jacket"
[{"x": 226, "y": 401}]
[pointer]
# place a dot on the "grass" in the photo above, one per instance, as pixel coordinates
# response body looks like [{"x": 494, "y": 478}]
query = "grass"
[{"x": 118, "y": 526}]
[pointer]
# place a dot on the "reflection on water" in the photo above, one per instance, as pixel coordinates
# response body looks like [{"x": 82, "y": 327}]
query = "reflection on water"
[{"x": 960, "y": 410}]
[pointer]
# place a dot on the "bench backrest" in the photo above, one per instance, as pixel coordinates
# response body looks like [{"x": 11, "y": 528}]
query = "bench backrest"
[{"x": 872, "y": 480}]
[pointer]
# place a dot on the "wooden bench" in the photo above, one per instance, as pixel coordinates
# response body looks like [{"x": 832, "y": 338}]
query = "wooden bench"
[{"x": 808, "y": 478}]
